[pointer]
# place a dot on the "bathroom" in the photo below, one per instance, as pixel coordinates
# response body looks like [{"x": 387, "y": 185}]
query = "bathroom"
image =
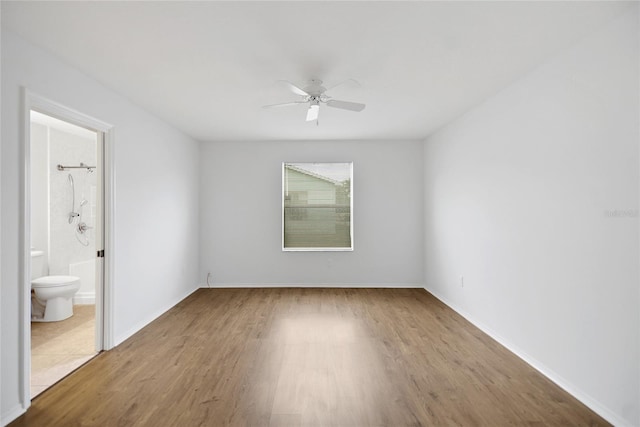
[{"x": 64, "y": 184}]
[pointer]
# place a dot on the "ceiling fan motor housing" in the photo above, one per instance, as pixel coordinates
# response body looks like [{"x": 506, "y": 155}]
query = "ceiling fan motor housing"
[{"x": 315, "y": 88}]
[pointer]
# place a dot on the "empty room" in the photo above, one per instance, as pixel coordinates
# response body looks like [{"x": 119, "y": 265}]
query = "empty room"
[{"x": 320, "y": 213}]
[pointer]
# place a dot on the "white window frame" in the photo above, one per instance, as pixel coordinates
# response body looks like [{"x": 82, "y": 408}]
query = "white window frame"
[{"x": 317, "y": 249}]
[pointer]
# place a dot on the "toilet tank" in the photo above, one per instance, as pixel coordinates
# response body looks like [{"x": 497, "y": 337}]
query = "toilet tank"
[{"x": 37, "y": 264}]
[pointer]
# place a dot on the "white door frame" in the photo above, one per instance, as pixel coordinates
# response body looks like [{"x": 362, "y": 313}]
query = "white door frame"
[{"x": 104, "y": 290}]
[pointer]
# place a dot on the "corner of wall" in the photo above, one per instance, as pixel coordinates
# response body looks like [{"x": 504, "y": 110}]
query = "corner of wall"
[{"x": 561, "y": 382}]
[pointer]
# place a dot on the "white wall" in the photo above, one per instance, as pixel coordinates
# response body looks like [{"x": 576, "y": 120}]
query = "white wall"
[
  {"x": 40, "y": 189},
  {"x": 533, "y": 198},
  {"x": 156, "y": 218},
  {"x": 240, "y": 217}
]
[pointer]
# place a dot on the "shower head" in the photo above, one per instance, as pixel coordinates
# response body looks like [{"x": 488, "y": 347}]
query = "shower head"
[
  {"x": 83, "y": 202},
  {"x": 90, "y": 169}
]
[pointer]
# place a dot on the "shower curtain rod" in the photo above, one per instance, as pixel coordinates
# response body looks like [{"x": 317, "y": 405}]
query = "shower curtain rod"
[{"x": 82, "y": 166}]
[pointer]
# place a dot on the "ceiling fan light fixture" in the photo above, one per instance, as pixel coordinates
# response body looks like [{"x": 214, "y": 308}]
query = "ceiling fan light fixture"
[{"x": 313, "y": 111}]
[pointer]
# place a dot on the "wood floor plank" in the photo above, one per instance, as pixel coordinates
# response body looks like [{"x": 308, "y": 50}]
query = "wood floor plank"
[{"x": 308, "y": 357}]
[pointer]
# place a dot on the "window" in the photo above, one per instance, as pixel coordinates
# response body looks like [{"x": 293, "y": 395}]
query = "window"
[{"x": 317, "y": 206}]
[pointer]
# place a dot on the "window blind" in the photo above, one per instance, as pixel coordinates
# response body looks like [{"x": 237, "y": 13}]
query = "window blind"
[{"x": 317, "y": 206}]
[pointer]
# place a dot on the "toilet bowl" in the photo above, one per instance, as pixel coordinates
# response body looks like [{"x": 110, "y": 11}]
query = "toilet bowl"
[{"x": 51, "y": 296}]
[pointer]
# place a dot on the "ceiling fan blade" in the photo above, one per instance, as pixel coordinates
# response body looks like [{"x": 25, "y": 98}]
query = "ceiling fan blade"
[
  {"x": 284, "y": 104},
  {"x": 352, "y": 106},
  {"x": 353, "y": 82},
  {"x": 293, "y": 88},
  {"x": 312, "y": 112}
]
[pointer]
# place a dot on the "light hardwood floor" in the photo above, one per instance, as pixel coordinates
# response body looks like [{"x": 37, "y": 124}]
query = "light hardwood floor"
[{"x": 308, "y": 357}]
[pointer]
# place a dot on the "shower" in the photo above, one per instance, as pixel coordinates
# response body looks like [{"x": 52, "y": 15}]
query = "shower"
[
  {"x": 72, "y": 213},
  {"x": 76, "y": 217}
]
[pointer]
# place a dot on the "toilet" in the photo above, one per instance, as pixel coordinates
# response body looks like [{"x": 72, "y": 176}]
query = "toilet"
[{"x": 51, "y": 296}]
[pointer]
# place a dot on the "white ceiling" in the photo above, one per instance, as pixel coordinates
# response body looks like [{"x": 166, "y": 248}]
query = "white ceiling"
[
  {"x": 61, "y": 125},
  {"x": 208, "y": 67}
]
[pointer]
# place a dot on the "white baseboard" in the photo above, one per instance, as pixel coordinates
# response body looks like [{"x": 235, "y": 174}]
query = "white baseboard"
[
  {"x": 84, "y": 298},
  {"x": 135, "y": 328},
  {"x": 583, "y": 397},
  {"x": 313, "y": 285},
  {"x": 12, "y": 414}
]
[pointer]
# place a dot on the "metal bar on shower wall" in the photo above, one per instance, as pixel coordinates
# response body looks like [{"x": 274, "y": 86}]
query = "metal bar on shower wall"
[{"x": 82, "y": 166}]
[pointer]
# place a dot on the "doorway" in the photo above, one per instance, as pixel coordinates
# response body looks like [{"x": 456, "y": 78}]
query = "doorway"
[
  {"x": 64, "y": 201},
  {"x": 68, "y": 195}
]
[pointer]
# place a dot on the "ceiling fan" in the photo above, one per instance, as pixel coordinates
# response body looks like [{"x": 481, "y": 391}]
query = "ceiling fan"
[{"x": 314, "y": 95}]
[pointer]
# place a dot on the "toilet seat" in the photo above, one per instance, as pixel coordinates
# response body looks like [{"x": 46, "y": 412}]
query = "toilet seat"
[
  {"x": 52, "y": 297},
  {"x": 53, "y": 281}
]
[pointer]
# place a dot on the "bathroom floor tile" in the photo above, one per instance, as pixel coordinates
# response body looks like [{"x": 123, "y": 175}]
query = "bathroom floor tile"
[
  {"x": 54, "y": 373},
  {"x": 41, "y": 362},
  {"x": 58, "y": 348},
  {"x": 37, "y": 389},
  {"x": 76, "y": 341}
]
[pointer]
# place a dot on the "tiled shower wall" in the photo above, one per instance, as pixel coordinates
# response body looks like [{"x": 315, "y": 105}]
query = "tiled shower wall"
[{"x": 63, "y": 247}]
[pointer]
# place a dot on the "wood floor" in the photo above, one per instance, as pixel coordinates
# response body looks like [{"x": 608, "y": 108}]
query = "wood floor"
[{"x": 307, "y": 357}]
